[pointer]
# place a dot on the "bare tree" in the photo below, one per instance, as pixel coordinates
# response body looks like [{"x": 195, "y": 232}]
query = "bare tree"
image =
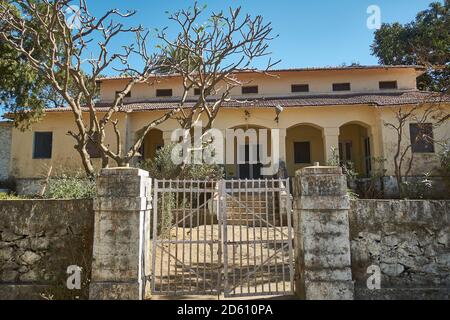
[
  {"x": 205, "y": 54},
  {"x": 430, "y": 112}
]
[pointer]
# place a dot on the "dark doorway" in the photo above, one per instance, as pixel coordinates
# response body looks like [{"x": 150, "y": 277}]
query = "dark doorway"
[{"x": 248, "y": 170}]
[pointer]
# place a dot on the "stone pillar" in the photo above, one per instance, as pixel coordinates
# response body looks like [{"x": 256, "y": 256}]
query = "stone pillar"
[
  {"x": 330, "y": 140},
  {"x": 321, "y": 226},
  {"x": 121, "y": 255}
]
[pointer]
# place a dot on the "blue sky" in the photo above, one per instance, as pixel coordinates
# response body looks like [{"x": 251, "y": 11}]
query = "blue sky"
[{"x": 311, "y": 33}]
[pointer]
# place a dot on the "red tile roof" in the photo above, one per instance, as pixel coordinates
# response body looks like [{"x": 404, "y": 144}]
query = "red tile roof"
[{"x": 372, "y": 99}]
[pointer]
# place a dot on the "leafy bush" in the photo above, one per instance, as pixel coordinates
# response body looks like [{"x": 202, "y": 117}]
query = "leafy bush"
[
  {"x": 373, "y": 187},
  {"x": 162, "y": 167},
  {"x": 67, "y": 186},
  {"x": 348, "y": 168},
  {"x": 5, "y": 196},
  {"x": 166, "y": 206},
  {"x": 418, "y": 189}
]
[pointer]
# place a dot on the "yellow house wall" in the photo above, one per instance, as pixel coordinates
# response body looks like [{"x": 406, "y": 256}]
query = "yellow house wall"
[
  {"x": 64, "y": 157},
  {"x": 328, "y": 119},
  {"x": 423, "y": 162},
  {"x": 278, "y": 83}
]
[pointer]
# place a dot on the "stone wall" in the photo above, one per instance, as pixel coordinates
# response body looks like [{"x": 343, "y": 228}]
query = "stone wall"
[
  {"x": 5, "y": 154},
  {"x": 39, "y": 239},
  {"x": 408, "y": 241}
]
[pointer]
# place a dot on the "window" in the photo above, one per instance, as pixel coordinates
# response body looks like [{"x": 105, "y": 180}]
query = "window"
[
  {"x": 300, "y": 88},
  {"x": 249, "y": 89},
  {"x": 421, "y": 137},
  {"x": 43, "y": 142},
  {"x": 341, "y": 86},
  {"x": 92, "y": 148},
  {"x": 302, "y": 152},
  {"x": 197, "y": 91},
  {"x": 128, "y": 95},
  {"x": 386, "y": 85},
  {"x": 164, "y": 92}
]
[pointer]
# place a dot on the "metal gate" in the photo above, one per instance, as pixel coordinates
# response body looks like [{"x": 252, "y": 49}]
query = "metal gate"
[{"x": 229, "y": 236}]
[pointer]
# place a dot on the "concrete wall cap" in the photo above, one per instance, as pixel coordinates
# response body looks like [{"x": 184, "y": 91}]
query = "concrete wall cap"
[
  {"x": 124, "y": 171},
  {"x": 319, "y": 170}
]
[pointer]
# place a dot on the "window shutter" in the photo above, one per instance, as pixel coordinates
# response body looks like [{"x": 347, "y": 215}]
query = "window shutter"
[
  {"x": 302, "y": 152},
  {"x": 300, "y": 88},
  {"x": 341, "y": 87},
  {"x": 164, "y": 92},
  {"x": 43, "y": 144},
  {"x": 421, "y": 136},
  {"x": 250, "y": 90}
]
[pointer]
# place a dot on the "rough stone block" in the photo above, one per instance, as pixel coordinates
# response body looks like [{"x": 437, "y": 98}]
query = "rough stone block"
[
  {"x": 322, "y": 227},
  {"x": 30, "y": 258},
  {"x": 114, "y": 291},
  {"x": 121, "y": 234},
  {"x": 329, "y": 290}
]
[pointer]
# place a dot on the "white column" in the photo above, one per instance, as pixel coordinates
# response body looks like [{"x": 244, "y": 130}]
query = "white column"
[
  {"x": 330, "y": 140},
  {"x": 282, "y": 144}
]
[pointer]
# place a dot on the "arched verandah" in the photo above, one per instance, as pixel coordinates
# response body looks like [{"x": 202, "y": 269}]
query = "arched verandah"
[
  {"x": 304, "y": 147},
  {"x": 355, "y": 146}
]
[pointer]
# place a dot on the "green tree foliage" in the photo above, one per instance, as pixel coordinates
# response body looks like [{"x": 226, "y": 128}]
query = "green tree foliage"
[
  {"x": 23, "y": 91},
  {"x": 424, "y": 41}
]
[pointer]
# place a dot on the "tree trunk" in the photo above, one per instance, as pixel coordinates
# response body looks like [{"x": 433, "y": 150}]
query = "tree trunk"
[{"x": 86, "y": 161}]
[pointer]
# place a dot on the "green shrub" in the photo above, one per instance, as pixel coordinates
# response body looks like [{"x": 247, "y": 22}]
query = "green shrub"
[
  {"x": 348, "y": 168},
  {"x": 67, "y": 186},
  {"x": 166, "y": 206},
  {"x": 418, "y": 189},
  {"x": 5, "y": 196}
]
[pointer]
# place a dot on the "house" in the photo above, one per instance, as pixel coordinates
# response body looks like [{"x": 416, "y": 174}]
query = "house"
[{"x": 340, "y": 108}]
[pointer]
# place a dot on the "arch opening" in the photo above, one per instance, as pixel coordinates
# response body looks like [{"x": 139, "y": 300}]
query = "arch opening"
[
  {"x": 304, "y": 147},
  {"x": 153, "y": 141},
  {"x": 355, "y": 147}
]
